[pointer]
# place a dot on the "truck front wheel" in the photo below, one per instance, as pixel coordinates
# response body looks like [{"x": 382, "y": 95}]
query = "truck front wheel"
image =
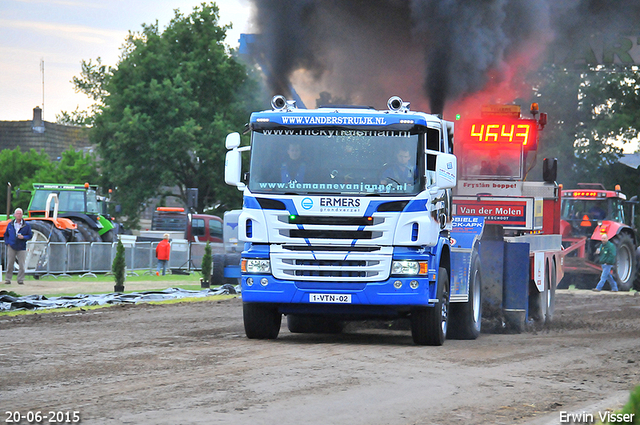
[
  {"x": 261, "y": 321},
  {"x": 429, "y": 324}
]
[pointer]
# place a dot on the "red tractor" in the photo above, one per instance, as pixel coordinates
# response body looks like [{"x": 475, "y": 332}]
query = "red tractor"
[{"x": 587, "y": 212}]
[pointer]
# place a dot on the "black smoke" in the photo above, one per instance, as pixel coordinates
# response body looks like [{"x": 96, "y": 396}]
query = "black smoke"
[{"x": 434, "y": 51}]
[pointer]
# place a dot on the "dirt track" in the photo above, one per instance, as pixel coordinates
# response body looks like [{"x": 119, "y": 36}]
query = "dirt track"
[{"x": 191, "y": 364}]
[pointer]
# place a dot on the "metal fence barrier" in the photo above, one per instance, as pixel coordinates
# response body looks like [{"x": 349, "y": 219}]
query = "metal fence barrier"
[{"x": 64, "y": 258}]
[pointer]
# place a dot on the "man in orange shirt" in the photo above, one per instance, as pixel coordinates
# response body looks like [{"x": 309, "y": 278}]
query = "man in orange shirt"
[{"x": 163, "y": 251}]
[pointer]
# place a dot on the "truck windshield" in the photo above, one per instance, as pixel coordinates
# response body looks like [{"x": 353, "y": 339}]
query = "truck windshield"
[
  {"x": 491, "y": 161},
  {"x": 593, "y": 209},
  {"x": 309, "y": 161}
]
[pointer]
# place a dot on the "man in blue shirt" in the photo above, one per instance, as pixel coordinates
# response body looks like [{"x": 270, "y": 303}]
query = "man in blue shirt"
[
  {"x": 400, "y": 172},
  {"x": 16, "y": 235},
  {"x": 293, "y": 168}
]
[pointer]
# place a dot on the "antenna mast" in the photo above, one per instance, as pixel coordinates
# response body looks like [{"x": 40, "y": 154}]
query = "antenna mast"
[{"x": 42, "y": 71}]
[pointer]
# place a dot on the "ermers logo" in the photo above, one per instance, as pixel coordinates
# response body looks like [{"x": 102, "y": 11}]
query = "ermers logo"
[
  {"x": 340, "y": 202},
  {"x": 307, "y": 203}
]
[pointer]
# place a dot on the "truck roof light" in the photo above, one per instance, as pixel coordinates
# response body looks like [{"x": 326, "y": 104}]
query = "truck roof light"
[
  {"x": 617, "y": 188},
  {"x": 170, "y": 209},
  {"x": 278, "y": 102},
  {"x": 534, "y": 109},
  {"x": 394, "y": 103}
]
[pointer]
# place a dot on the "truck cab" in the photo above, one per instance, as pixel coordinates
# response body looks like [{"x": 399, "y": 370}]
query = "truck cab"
[{"x": 346, "y": 215}]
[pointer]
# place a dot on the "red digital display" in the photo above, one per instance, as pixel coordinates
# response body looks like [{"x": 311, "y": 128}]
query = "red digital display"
[{"x": 501, "y": 131}]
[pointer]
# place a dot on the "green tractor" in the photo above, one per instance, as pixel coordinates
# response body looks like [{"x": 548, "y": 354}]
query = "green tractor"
[{"x": 82, "y": 205}]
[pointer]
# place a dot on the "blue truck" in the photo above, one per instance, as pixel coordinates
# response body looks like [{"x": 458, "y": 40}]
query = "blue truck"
[{"x": 348, "y": 215}]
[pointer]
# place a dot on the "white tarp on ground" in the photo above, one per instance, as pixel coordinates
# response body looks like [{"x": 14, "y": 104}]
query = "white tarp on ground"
[{"x": 37, "y": 302}]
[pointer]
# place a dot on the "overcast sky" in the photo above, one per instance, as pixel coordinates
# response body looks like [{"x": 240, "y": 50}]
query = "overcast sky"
[{"x": 62, "y": 33}]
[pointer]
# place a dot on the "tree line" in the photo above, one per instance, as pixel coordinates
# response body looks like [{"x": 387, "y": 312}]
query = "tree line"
[
  {"x": 161, "y": 115},
  {"x": 22, "y": 169}
]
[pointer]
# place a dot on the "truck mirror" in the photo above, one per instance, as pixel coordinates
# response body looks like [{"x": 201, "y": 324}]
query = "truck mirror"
[
  {"x": 233, "y": 168},
  {"x": 232, "y": 141},
  {"x": 550, "y": 170},
  {"x": 446, "y": 171}
]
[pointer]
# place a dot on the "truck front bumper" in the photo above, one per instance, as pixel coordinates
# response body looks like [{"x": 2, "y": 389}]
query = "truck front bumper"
[{"x": 395, "y": 291}]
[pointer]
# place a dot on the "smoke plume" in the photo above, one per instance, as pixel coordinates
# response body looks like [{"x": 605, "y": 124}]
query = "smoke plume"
[{"x": 430, "y": 52}]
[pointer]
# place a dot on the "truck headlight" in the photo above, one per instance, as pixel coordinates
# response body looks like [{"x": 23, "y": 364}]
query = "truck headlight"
[
  {"x": 409, "y": 267},
  {"x": 255, "y": 265}
]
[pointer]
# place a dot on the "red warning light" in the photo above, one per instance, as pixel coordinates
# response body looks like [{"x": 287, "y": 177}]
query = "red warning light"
[{"x": 585, "y": 221}]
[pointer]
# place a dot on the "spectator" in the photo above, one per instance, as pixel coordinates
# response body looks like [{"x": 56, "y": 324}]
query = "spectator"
[
  {"x": 163, "y": 252},
  {"x": 608, "y": 260},
  {"x": 17, "y": 234}
]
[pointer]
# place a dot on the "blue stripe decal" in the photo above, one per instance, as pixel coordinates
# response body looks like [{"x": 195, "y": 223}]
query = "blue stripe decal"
[
  {"x": 251, "y": 202},
  {"x": 373, "y": 207},
  {"x": 289, "y": 205},
  {"x": 417, "y": 205}
]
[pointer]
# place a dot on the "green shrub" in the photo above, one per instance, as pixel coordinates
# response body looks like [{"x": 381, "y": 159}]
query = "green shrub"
[
  {"x": 118, "y": 266},
  {"x": 631, "y": 410},
  {"x": 206, "y": 263},
  {"x": 633, "y": 406}
]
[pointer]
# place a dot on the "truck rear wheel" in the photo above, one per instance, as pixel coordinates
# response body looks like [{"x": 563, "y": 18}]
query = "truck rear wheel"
[
  {"x": 313, "y": 324},
  {"x": 217, "y": 272},
  {"x": 625, "y": 261},
  {"x": 88, "y": 234},
  {"x": 466, "y": 318},
  {"x": 538, "y": 302},
  {"x": 429, "y": 324},
  {"x": 542, "y": 304},
  {"x": 551, "y": 298},
  {"x": 261, "y": 321}
]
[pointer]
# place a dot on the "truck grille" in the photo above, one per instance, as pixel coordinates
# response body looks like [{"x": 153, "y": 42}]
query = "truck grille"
[
  {"x": 329, "y": 268},
  {"x": 330, "y": 234},
  {"x": 301, "y": 228},
  {"x": 330, "y": 265}
]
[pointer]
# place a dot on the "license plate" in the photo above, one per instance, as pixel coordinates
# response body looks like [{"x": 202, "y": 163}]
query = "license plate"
[{"x": 330, "y": 298}]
